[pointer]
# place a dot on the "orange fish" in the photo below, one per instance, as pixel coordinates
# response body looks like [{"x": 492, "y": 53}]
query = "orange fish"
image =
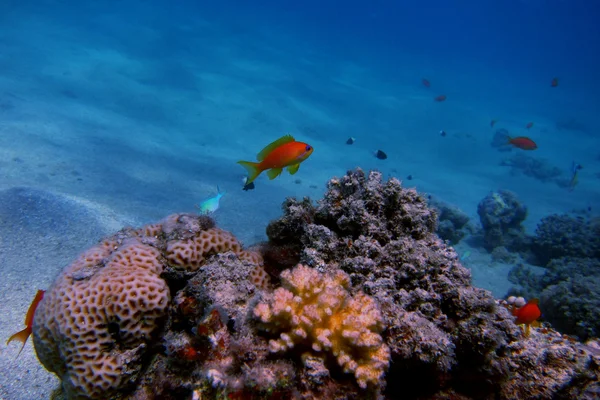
[
  {"x": 23, "y": 335},
  {"x": 523, "y": 143},
  {"x": 440, "y": 98},
  {"x": 529, "y": 125},
  {"x": 528, "y": 314},
  {"x": 426, "y": 82},
  {"x": 282, "y": 153},
  {"x": 493, "y": 122},
  {"x": 554, "y": 82}
]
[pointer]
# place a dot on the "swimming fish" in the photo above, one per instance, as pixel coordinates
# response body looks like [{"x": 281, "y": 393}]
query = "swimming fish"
[
  {"x": 528, "y": 314},
  {"x": 493, "y": 122},
  {"x": 554, "y": 82},
  {"x": 23, "y": 335},
  {"x": 523, "y": 143},
  {"x": 574, "y": 175},
  {"x": 211, "y": 205},
  {"x": 529, "y": 125},
  {"x": 282, "y": 153},
  {"x": 426, "y": 82},
  {"x": 380, "y": 155},
  {"x": 440, "y": 98}
]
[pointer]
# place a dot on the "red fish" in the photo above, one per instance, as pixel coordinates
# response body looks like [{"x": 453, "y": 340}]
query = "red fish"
[
  {"x": 529, "y": 125},
  {"x": 554, "y": 82},
  {"x": 523, "y": 143},
  {"x": 23, "y": 335},
  {"x": 440, "y": 98},
  {"x": 493, "y": 122},
  {"x": 528, "y": 314},
  {"x": 426, "y": 82},
  {"x": 282, "y": 153}
]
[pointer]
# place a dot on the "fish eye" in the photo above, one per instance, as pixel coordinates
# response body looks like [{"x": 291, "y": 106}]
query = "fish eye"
[{"x": 308, "y": 147}]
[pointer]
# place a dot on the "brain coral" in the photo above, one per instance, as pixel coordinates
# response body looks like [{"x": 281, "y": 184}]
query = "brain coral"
[
  {"x": 317, "y": 309},
  {"x": 98, "y": 319},
  {"x": 94, "y": 322}
]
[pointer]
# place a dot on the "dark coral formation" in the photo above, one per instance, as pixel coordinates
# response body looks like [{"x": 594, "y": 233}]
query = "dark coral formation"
[
  {"x": 501, "y": 214},
  {"x": 569, "y": 293},
  {"x": 446, "y": 339},
  {"x": 452, "y": 221},
  {"x": 442, "y": 332},
  {"x": 559, "y": 236},
  {"x": 533, "y": 167}
]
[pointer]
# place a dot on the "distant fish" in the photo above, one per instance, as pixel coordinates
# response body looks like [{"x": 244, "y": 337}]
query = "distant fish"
[
  {"x": 465, "y": 255},
  {"x": 350, "y": 140},
  {"x": 440, "y": 98},
  {"x": 211, "y": 205},
  {"x": 426, "y": 82},
  {"x": 380, "y": 154},
  {"x": 23, "y": 335},
  {"x": 247, "y": 186},
  {"x": 409, "y": 177},
  {"x": 529, "y": 125},
  {"x": 554, "y": 82},
  {"x": 493, "y": 122},
  {"x": 522, "y": 142},
  {"x": 575, "y": 168},
  {"x": 442, "y": 133}
]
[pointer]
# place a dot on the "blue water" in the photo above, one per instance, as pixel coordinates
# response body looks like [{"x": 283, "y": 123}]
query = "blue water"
[{"x": 144, "y": 108}]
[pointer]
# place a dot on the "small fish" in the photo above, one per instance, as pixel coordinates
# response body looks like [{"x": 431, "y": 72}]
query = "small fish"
[
  {"x": 522, "y": 142},
  {"x": 554, "y": 82},
  {"x": 350, "y": 140},
  {"x": 23, "y": 335},
  {"x": 380, "y": 154},
  {"x": 247, "y": 186},
  {"x": 529, "y": 125},
  {"x": 465, "y": 255},
  {"x": 528, "y": 314},
  {"x": 440, "y": 98},
  {"x": 409, "y": 178},
  {"x": 426, "y": 82},
  {"x": 574, "y": 175},
  {"x": 211, "y": 205},
  {"x": 442, "y": 133},
  {"x": 493, "y": 122},
  {"x": 282, "y": 153}
]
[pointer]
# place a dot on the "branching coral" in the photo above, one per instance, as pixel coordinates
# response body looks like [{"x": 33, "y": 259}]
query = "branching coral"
[{"x": 317, "y": 309}]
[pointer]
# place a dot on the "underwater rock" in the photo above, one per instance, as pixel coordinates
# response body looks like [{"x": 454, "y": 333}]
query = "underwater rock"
[
  {"x": 452, "y": 221},
  {"x": 569, "y": 293},
  {"x": 501, "y": 214},
  {"x": 539, "y": 169},
  {"x": 559, "y": 236}
]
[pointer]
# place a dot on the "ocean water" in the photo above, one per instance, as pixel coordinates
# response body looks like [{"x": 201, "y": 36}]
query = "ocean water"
[{"x": 115, "y": 113}]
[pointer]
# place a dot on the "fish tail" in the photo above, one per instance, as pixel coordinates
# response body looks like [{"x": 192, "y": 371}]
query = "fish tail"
[
  {"x": 22, "y": 337},
  {"x": 252, "y": 168}
]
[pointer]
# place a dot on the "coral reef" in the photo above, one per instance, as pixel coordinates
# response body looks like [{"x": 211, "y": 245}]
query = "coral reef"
[
  {"x": 500, "y": 140},
  {"x": 559, "y": 236},
  {"x": 452, "y": 222},
  {"x": 539, "y": 169},
  {"x": 569, "y": 293},
  {"x": 501, "y": 214},
  {"x": 316, "y": 309},
  {"x": 380, "y": 308}
]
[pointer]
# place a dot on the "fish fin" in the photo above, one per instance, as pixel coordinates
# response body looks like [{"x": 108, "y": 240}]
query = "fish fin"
[
  {"x": 272, "y": 146},
  {"x": 22, "y": 337},
  {"x": 252, "y": 168},
  {"x": 274, "y": 173},
  {"x": 292, "y": 169},
  {"x": 527, "y": 330}
]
